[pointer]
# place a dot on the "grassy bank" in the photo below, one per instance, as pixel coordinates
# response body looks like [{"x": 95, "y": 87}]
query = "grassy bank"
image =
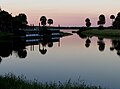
[
  {"x": 10, "y": 81},
  {"x": 107, "y": 33}
]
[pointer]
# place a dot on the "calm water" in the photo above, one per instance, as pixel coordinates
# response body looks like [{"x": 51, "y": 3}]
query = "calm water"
[{"x": 97, "y": 62}]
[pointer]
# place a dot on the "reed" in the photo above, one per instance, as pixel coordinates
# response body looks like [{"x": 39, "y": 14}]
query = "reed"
[{"x": 10, "y": 81}]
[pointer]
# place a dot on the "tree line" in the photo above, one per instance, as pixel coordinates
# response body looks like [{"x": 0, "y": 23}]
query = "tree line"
[
  {"x": 102, "y": 21},
  {"x": 8, "y": 23}
]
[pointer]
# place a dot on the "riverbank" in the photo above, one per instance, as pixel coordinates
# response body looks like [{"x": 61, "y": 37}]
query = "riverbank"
[
  {"x": 10, "y": 81},
  {"x": 107, "y": 33}
]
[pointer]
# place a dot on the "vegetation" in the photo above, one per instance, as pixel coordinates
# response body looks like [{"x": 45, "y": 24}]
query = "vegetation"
[
  {"x": 112, "y": 17},
  {"x": 9, "y": 23},
  {"x": 101, "y": 21},
  {"x": 88, "y": 23},
  {"x": 10, "y": 81},
  {"x": 50, "y": 21},
  {"x": 43, "y": 20},
  {"x": 104, "y": 33},
  {"x": 116, "y": 23}
]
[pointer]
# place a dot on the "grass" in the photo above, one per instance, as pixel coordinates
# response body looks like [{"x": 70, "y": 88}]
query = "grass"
[
  {"x": 107, "y": 33},
  {"x": 10, "y": 81}
]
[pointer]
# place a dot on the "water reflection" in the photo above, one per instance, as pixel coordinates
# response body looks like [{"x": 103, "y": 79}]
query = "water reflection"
[
  {"x": 18, "y": 44},
  {"x": 115, "y": 46},
  {"x": 88, "y": 41},
  {"x": 15, "y": 45},
  {"x": 101, "y": 43}
]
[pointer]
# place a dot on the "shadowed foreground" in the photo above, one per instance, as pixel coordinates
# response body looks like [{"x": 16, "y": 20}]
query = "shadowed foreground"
[{"x": 10, "y": 81}]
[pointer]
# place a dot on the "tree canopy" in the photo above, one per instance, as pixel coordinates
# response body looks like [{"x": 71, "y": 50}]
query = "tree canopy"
[
  {"x": 116, "y": 23},
  {"x": 8, "y": 22}
]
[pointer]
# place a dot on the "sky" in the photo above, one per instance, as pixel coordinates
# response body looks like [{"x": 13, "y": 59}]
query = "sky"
[{"x": 63, "y": 12}]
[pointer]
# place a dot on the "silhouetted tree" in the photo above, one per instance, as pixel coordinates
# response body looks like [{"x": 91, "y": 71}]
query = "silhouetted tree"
[
  {"x": 88, "y": 23},
  {"x": 5, "y": 21},
  {"x": 116, "y": 23},
  {"x": 20, "y": 21},
  {"x": 101, "y": 21},
  {"x": 50, "y": 21},
  {"x": 112, "y": 17},
  {"x": 43, "y": 20}
]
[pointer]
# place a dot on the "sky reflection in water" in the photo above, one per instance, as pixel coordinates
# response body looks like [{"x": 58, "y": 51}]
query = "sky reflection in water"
[{"x": 71, "y": 60}]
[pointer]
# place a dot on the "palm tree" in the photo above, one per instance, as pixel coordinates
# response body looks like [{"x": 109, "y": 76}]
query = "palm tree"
[
  {"x": 43, "y": 20},
  {"x": 101, "y": 21},
  {"x": 88, "y": 23},
  {"x": 87, "y": 20},
  {"x": 112, "y": 17},
  {"x": 50, "y": 21}
]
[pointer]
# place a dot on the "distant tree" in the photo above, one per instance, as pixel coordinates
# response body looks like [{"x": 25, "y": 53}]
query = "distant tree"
[
  {"x": 43, "y": 20},
  {"x": 88, "y": 23},
  {"x": 101, "y": 21},
  {"x": 116, "y": 23},
  {"x": 87, "y": 20},
  {"x": 50, "y": 21},
  {"x": 112, "y": 17}
]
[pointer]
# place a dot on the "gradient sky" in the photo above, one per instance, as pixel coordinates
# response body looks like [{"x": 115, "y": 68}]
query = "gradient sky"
[{"x": 64, "y": 12}]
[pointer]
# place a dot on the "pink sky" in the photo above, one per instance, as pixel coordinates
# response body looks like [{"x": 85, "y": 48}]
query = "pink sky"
[{"x": 63, "y": 12}]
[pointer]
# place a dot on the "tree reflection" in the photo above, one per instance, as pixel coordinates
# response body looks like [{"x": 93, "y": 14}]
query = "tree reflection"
[
  {"x": 115, "y": 46},
  {"x": 88, "y": 41},
  {"x": 22, "y": 53},
  {"x": 42, "y": 50},
  {"x": 50, "y": 44},
  {"x": 0, "y": 59},
  {"x": 101, "y": 44},
  {"x": 7, "y": 47}
]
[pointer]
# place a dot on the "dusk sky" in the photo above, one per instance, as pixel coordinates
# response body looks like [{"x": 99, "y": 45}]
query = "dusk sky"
[{"x": 63, "y": 12}]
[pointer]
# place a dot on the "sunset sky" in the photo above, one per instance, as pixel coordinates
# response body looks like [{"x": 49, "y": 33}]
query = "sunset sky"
[{"x": 63, "y": 12}]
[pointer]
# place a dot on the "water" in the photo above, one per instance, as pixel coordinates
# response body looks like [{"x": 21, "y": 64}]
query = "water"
[{"x": 67, "y": 58}]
